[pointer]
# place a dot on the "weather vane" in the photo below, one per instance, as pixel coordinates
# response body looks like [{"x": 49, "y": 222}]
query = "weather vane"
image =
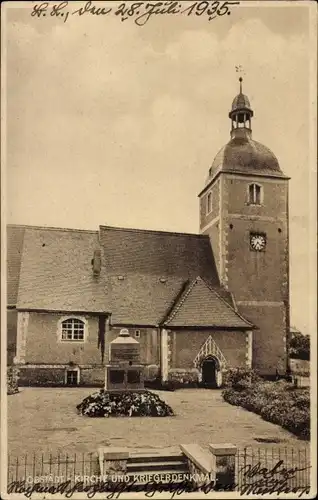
[{"x": 239, "y": 69}]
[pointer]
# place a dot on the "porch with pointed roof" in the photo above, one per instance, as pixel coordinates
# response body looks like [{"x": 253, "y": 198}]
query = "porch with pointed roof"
[{"x": 201, "y": 306}]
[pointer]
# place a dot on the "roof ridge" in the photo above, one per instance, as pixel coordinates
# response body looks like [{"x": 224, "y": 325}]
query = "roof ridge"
[
  {"x": 157, "y": 231},
  {"x": 182, "y": 299},
  {"x": 174, "y": 302},
  {"x": 51, "y": 228},
  {"x": 227, "y": 304}
]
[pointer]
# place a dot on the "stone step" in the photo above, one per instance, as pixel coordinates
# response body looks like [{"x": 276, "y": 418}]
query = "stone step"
[
  {"x": 141, "y": 466},
  {"x": 151, "y": 456}
]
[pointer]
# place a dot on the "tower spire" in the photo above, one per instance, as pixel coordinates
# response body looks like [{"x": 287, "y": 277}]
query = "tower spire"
[
  {"x": 241, "y": 114},
  {"x": 241, "y": 80}
]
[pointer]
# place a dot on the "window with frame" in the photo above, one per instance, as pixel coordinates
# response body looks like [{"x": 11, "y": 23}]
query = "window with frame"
[
  {"x": 72, "y": 377},
  {"x": 209, "y": 203},
  {"x": 73, "y": 329},
  {"x": 254, "y": 194}
]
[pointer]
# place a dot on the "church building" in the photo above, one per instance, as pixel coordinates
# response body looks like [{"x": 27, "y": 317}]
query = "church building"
[{"x": 198, "y": 304}]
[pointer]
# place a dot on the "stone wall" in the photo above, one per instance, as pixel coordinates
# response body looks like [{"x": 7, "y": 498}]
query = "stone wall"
[
  {"x": 148, "y": 339},
  {"x": 268, "y": 351},
  {"x": 205, "y": 217},
  {"x": 45, "y": 326},
  {"x": 11, "y": 335},
  {"x": 185, "y": 345},
  {"x": 41, "y": 376},
  {"x": 258, "y": 280},
  {"x": 44, "y": 357},
  {"x": 44, "y": 346},
  {"x": 55, "y": 375}
]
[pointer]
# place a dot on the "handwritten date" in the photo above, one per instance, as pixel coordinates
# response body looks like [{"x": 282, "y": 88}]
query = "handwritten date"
[{"x": 139, "y": 12}]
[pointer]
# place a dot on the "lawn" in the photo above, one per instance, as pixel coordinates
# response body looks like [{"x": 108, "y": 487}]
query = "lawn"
[{"x": 45, "y": 419}]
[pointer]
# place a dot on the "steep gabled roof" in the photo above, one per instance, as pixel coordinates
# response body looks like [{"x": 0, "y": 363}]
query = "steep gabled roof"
[
  {"x": 143, "y": 273},
  {"x": 201, "y": 306}
]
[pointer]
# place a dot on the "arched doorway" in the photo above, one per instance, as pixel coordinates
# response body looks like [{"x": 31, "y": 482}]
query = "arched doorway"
[{"x": 210, "y": 368}]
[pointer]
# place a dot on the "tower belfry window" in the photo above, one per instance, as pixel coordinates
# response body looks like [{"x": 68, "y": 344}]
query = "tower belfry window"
[{"x": 254, "y": 194}]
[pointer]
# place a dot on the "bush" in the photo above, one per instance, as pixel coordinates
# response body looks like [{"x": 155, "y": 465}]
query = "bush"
[
  {"x": 277, "y": 402},
  {"x": 299, "y": 346},
  {"x": 240, "y": 378},
  {"x": 12, "y": 380},
  {"x": 179, "y": 377}
]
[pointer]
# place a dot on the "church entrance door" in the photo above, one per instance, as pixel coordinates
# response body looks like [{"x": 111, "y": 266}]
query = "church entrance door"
[{"x": 209, "y": 373}]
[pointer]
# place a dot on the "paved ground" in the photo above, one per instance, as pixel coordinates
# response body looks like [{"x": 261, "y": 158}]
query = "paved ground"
[{"x": 45, "y": 419}]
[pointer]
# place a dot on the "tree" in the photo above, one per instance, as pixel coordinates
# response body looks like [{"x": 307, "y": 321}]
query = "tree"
[{"x": 299, "y": 346}]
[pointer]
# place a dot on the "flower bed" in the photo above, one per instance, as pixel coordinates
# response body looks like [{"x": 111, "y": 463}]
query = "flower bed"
[
  {"x": 127, "y": 404},
  {"x": 277, "y": 402}
]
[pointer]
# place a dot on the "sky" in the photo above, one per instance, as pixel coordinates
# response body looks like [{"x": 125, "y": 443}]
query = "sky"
[{"x": 116, "y": 124}]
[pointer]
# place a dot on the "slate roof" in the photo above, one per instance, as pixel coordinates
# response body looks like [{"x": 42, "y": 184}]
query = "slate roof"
[
  {"x": 244, "y": 155},
  {"x": 241, "y": 101},
  {"x": 56, "y": 271},
  {"x": 200, "y": 306},
  {"x": 143, "y": 273},
  {"x": 158, "y": 252},
  {"x": 141, "y": 299}
]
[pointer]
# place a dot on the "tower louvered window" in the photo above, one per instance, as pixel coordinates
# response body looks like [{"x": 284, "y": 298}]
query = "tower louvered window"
[{"x": 254, "y": 194}]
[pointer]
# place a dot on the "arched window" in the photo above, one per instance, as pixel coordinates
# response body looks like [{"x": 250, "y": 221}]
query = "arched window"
[
  {"x": 73, "y": 329},
  {"x": 209, "y": 203},
  {"x": 255, "y": 194}
]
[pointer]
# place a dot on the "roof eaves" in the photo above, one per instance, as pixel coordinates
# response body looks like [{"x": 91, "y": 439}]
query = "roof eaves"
[
  {"x": 212, "y": 326},
  {"x": 219, "y": 171},
  {"x": 49, "y": 228},
  {"x": 69, "y": 312}
]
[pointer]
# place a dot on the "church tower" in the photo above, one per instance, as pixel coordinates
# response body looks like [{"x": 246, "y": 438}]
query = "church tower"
[{"x": 244, "y": 210}]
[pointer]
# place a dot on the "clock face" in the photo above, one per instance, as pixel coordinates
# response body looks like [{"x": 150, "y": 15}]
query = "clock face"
[{"x": 258, "y": 242}]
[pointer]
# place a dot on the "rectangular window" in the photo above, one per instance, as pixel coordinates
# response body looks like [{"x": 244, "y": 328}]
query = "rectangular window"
[
  {"x": 209, "y": 203},
  {"x": 137, "y": 334},
  {"x": 251, "y": 193},
  {"x": 71, "y": 377},
  {"x": 254, "y": 194}
]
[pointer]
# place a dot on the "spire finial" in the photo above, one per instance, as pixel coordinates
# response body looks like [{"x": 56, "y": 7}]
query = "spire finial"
[{"x": 240, "y": 80}]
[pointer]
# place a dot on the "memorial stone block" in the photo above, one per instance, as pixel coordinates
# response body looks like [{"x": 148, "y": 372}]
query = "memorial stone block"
[{"x": 124, "y": 372}]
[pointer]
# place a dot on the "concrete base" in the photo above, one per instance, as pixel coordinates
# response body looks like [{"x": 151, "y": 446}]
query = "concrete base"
[{"x": 124, "y": 377}]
